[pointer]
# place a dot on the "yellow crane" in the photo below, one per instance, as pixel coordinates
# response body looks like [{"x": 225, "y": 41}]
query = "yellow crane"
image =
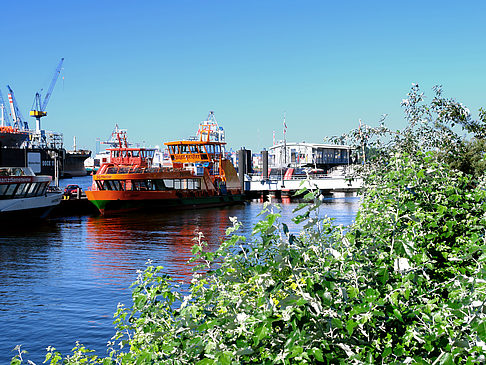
[{"x": 39, "y": 107}]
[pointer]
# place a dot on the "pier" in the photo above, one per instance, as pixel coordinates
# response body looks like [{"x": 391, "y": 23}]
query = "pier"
[
  {"x": 256, "y": 186},
  {"x": 290, "y": 167}
]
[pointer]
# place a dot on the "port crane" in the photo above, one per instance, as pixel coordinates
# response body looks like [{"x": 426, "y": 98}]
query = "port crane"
[
  {"x": 4, "y": 114},
  {"x": 39, "y": 107},
  {"x": 18, "y": 120}
]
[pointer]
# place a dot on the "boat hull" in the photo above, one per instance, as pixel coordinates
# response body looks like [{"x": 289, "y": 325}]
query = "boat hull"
[
  {"x": 34, "y": 207},
  {"x": 114, "y": 204},
  {"x": 74, "y": 163}
]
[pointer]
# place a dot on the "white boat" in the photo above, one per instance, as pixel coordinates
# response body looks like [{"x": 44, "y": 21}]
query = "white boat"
[
  {"x": 92, "y": 164},
  {"x": 23, "y": 194}
]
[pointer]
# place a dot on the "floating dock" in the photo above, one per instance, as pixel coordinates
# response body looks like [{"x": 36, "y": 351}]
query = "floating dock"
[{"x": 335, "y": 186}]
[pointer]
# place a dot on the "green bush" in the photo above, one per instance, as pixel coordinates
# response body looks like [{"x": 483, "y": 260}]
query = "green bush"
[{"x": 405, "y": 284}]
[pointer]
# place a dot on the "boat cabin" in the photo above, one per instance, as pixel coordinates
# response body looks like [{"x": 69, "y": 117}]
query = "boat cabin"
[
  {"x": 20, "y": 182},
  {"x": 140, "y": 157},
  {"x": 195, "y": 151}
]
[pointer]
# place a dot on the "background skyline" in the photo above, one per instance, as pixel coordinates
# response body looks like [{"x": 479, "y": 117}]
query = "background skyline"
[{"x": 156, "y": 68}]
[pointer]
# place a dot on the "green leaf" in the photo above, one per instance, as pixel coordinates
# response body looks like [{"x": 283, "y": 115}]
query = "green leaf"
[
  {"x": 317, "y": 354},
  {"x": 445, "y": 359},
  {"x": 350, "y": 326},
  {"x": 482, "y": 330}
]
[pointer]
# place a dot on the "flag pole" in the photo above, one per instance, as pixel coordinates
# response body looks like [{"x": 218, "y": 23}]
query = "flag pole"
[{"x": 285, "y": 140}]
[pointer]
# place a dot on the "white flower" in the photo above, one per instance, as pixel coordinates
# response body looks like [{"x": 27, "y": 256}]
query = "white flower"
[
  {"x": 242, "y": 317},
  {"x": 401, "y": 265}
]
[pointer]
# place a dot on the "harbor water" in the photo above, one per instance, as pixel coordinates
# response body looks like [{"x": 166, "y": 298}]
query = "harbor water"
[{"x": 61, "y": 280}]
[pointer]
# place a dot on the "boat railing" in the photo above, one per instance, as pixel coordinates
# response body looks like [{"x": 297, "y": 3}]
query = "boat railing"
[
  {"x": 258, "y": 177},
  {"x": 135, "y": 170}
]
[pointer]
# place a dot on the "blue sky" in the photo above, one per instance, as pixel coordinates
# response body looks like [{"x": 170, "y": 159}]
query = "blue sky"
[{"x": 158, "y": 67}]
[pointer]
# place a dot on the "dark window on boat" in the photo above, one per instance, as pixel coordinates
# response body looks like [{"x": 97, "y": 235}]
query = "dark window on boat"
[
  {"x": 141, "y": 185},
  {"x": 159, "y": 184},
  {"x": 117, "y": 185},
  {"x": 100, "y": 185},
  {"x": 3, "y": 190},
  {"x": 109, "y": 185},
  {"x": 145, "y": 185},
  {"x": 10, "y": 190},
  {"x": 20, "y": 190},
  {"x": 135, "y": 185},
  {"x": 43, "y": 188}
]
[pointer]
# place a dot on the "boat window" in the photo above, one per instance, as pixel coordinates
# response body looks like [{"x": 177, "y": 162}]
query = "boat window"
[
  {"x": 145, "y": 185},
  {"x": 10, "y": 190},
  {"x": 135, "y": 153},
  {"x": 99, "y": 184},
  {"x": 3, "y": 190},
  {"x": 116, "y": 184},
  {"x": 135, "y": 185},
  {"x": 159, "y": 184},
  {"x": 108, "y": 185},
  {"x": 177, "y": 184},
  {"x": 43, "y": 188},
  {"x": 193, "y": 148},
  {"x": 190, "y": 184},
  {"x": 33, "y": 189},
  {"x": 197, "y": 184},
  {"x": 169, "y": 183},
  {"x": 20, "y": 190}
]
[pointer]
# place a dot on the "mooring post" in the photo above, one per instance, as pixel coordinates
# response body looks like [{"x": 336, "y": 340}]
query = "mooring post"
[
  {"x": 265, "y": 165},
  {"x": 242, "y": 167}
]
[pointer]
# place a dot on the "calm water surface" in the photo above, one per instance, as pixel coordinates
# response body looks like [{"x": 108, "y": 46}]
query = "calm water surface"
[{"x": 61, "y": 281}]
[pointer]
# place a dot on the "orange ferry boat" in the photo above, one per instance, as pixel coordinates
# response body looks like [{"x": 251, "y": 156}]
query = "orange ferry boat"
[{"x": 200, "y": 176}]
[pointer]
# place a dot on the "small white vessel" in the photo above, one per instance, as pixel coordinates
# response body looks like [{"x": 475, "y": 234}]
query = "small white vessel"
[{"x": 23, "y": 194}]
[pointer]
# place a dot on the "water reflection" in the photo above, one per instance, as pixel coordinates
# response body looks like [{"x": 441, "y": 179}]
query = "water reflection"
[
  {"x": 62, "y": 280},
  {"x": 166, "y": 239}
]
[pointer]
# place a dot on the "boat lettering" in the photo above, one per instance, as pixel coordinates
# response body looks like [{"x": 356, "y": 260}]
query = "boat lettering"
[{"x": 15, "y": 179}]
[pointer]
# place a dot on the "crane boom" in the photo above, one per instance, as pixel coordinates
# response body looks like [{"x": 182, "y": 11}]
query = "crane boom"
[
  {"x": 18, "y": 120},
  {"x": 39, "y": 110},
  {"x": 4, "y": 114},
  {"x": 51, "y": 86}
]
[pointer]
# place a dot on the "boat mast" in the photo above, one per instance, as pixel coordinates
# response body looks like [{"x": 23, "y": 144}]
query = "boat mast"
[{"x": 285, "y": 140}]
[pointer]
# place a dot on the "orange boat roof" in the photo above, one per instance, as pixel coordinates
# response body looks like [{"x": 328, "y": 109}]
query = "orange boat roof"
[{"x": 193, "y": 142}]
